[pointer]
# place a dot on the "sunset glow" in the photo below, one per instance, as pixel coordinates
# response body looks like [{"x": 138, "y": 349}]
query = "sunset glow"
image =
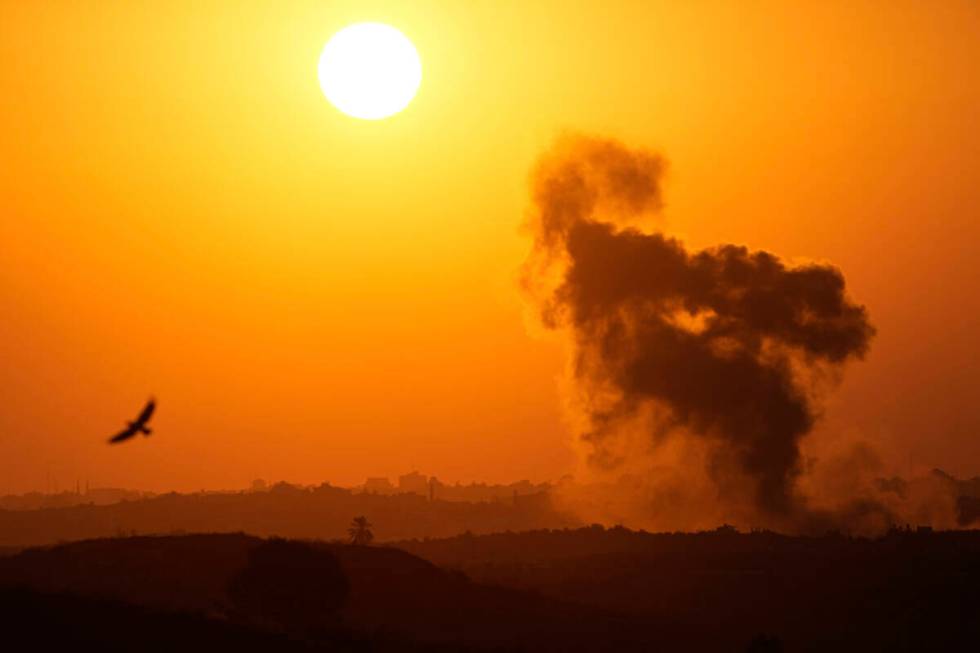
[{"x": 314, "y": 297}]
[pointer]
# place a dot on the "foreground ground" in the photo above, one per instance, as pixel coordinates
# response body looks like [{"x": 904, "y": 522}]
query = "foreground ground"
[{"x": 588, "y": 589}]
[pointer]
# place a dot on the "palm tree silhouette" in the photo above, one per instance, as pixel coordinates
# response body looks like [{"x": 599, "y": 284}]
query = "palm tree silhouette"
[{"x": 360, "y": 531}]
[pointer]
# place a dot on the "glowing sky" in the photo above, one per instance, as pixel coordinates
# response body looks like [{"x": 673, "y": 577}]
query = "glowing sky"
[{"x": 315, "y": 297}]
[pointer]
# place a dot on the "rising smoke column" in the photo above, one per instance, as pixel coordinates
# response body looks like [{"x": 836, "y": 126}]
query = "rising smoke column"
[{"x": 720, "y": 345}]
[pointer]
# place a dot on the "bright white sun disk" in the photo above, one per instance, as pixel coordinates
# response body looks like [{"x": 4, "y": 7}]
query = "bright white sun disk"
[{"x": 370, "y": 70}]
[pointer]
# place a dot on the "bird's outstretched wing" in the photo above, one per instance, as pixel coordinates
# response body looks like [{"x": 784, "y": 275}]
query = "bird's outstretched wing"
[
  {"x": 147, "y": 411},
  {"x": 139, "y": 424},
  {"x": 123, "y": 435}
]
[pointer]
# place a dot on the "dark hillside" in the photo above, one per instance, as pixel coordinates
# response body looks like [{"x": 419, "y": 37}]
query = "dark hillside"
[
  {"x": 50, "y": 622},
  {"x": 393, "y": 595},
  {"x": 909, "y": 588}
]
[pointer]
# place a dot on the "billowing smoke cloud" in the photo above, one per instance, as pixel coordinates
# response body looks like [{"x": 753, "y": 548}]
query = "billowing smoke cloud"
[{"x": 718, "y": 351}]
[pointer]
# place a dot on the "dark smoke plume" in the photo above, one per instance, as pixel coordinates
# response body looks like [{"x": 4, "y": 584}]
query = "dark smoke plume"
[{"x": 722, "y": 345}]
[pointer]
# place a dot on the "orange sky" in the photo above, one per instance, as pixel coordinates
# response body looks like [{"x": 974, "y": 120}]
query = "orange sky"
[{"x": 313, "y": 297}]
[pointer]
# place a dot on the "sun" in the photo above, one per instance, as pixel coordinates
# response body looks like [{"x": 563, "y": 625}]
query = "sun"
[{"x": 370, "y": 70}]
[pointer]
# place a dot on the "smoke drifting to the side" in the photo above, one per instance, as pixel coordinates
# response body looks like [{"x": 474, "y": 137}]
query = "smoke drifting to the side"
[{"x": 694, "y": 373}]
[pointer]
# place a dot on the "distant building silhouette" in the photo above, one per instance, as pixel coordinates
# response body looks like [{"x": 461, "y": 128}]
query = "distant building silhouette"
[
  {"x": 413, "y": 483},
  {"x": 378, "y": 485},
  {"x": 96, "y": 496},
  {"x": 479, "y": 492}
]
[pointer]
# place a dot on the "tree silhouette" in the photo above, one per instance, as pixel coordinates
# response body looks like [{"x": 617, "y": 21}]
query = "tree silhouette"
[
  {"x": 764, "y": 643},
  {"x": 289, "y": 583},
  {"x": 360, "y": 531}
]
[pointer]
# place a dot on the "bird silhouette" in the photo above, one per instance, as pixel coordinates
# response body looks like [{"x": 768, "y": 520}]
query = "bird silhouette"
[{"x": 138, "y": 425}]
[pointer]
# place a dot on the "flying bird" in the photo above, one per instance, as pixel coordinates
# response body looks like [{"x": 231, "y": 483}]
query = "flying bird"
[{"x": 138, "y": 425}]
